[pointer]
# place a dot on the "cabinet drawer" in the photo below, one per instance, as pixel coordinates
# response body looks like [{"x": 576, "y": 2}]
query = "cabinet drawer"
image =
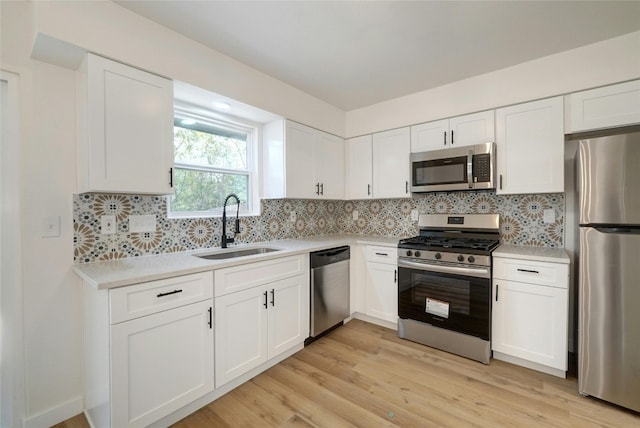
[
  {"x": 150, "y": 297},
  {"x": 237, "y": 278},
  {"x": 388, "y": 255},
  {"x": 532, "y": 272}
]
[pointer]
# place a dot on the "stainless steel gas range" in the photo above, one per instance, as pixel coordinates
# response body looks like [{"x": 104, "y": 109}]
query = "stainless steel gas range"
[{"x": 444, "y": 283}]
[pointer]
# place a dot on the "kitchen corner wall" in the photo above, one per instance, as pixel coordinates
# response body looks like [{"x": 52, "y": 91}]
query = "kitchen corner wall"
[{"x": 521, "y": 221}]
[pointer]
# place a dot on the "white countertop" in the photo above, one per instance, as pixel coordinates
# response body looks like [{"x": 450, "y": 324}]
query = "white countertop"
[
  {"x": 541, "y": 254},
  {"x": 132, "y": 270}
]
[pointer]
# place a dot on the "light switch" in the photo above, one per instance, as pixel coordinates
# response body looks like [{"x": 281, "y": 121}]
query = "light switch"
[
  {"x": 107, "y": 224},
  {"x": 51, "y": 226},
  {"x": 355, "y": 214},
  {"x": 292, "y": 217},
  {"x": 414, "y": 215}
]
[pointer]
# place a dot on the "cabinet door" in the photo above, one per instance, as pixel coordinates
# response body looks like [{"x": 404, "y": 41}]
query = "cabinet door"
[
  {"x": 359, "y": 167},
  {"x": 382, "y": 291},
  {"x": 472, "y": 129},
  {"x": 430, "y": 136},
  {"x": 160, "y": 363},
  {"x": 329, "y": 165},
  {"x": 288, "y": 314},
  {"x": 241, "y": 333},
  {"x": 128, "y": 143},
  {"x": 606, "y": 107},
  {"x": 300, "y": 161},
  {"x": 530, "y": 147},
  {"x": 391, "y": 164},
  {"x": 530, "y": 322}
]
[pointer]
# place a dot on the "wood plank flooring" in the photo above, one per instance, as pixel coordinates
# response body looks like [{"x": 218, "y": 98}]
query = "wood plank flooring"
[{"x": 364, "y": 375}]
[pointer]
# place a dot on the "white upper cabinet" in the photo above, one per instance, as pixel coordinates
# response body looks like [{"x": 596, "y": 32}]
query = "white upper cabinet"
[
  {"x": 125, "y": 128},
  {"x": 359, "y": 167},
  {"x": 615, "y": 105},
  {"x": 391, "y": 163},
  {"x": 457, "y": 131},
  {"x": 302, "y": 162},
  {"x": 530, "y": 147}
]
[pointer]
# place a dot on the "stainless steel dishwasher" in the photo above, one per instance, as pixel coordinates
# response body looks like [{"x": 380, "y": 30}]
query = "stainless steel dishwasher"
[{"x": 329, "y": 290}]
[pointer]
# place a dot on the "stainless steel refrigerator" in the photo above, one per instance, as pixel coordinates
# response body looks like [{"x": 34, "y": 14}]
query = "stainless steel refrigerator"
[{"x": 609, "y": 269}]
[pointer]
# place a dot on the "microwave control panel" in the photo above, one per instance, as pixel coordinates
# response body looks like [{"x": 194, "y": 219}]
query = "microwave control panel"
[{"x": 482, "y": 168}]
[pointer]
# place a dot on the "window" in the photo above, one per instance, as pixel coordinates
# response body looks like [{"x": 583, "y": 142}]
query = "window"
[{"x": 213, "y": 158}]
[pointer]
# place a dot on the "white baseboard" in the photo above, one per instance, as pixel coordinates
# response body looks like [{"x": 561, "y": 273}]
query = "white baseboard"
[{"x": 55, "y": 415}]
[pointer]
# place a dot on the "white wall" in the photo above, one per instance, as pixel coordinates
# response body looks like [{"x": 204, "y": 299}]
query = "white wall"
[
  {"x": 599, "y": 64},
  {"x": 51, "y": 292}
]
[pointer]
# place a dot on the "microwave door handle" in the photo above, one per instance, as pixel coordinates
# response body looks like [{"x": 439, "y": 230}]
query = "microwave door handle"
[{"x": 470, "y": 169}]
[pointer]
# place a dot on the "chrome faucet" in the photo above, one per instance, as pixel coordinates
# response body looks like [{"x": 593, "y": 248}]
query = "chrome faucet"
[{"x": 225, "y": 239}]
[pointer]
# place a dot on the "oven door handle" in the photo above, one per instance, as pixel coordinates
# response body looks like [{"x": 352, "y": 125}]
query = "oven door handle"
[{"x": 479, "y": 272}]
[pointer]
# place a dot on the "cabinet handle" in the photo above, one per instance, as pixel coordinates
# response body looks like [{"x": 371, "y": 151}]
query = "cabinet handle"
[
  {"x": 368, "y": 189},
  {"x": 322, "y": 188},
  {"x": 210, "y": 318},
  {"x": 497, "y": 289},
  {"x": 265, "y": 300},
  {"x": 395, "y": 276},
  {"x": 527, "y": 270},
  {"x": 171, "y": 177},
  {"x": 169, "y": 293},
  {"x": 382, "y": 254},
  {"x": 445, "y": 138},
  {"x": 452, "y": 137},
  {"x": 273, "y": 297},
  {"x": 317, "y": 188},
  {"x": 500, "y": 181},
  {"x": 406, "y": 187}
]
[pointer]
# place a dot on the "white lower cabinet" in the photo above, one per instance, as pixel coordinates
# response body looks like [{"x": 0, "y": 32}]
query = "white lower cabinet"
[
  {"x": 265, "y": 319},
  {"x": 148, "y": 349},
  {"x": 382, "y": 283},
  {"x": 530, "y": 314},
  {"x": 160, "y": 363}
]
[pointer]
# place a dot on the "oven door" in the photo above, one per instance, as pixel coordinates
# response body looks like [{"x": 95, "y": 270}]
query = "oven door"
[{"x": 450, "y": 297}]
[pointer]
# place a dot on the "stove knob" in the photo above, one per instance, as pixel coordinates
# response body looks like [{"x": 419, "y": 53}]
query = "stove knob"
[
  {"x": 438, "y": 256},
  {"x": 471, "y": 259},
  {"x": 409, "y": 253},
  {"x": 417, "y": 254},
  {"x": 460, "y": 258}
]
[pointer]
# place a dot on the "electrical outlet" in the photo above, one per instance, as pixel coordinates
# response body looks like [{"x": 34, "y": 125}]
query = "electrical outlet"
[
  {"x": 414, "y": 215},
  {"x": 108, "y": 224},
  {"x": 355, "y": 214},
  {"x": 142, "y": 223},
  {"x": 292, "y": 216},
  {"x": 549, "y": 216}
]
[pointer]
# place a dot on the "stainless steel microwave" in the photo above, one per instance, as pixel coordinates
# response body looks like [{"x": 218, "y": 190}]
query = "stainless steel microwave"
[{"x": 459, "y": 168}]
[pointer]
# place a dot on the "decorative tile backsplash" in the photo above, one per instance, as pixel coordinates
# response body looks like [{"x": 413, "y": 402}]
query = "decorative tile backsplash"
[{"x": 521, "y": 221}]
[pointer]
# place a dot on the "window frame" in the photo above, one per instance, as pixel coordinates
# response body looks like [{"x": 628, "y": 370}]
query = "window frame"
[{"x": 232, "y": 123}]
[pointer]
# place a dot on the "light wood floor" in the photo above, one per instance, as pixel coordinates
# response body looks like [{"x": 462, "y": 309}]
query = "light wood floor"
[{"x": 364, "y": 375}]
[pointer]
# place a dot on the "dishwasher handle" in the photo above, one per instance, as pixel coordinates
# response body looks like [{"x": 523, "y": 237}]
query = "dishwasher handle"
[{"x": 330, "y": 256}]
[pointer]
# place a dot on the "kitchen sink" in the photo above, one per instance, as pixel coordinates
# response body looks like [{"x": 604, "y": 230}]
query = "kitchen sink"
[{"x": 236, "y": 253}]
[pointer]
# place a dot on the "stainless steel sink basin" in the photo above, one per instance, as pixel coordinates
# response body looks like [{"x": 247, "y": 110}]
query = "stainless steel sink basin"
[{"x": 236, "y": 253}]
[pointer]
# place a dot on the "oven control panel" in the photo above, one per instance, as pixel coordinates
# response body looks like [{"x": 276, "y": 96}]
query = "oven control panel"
[{"x": 443, "y": 256}]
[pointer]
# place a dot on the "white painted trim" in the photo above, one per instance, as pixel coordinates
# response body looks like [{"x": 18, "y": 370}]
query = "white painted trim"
[
  {"x": 55, "y": 414},
  {"x": 529, "y": 364},
  {"x": 12, "y": 390}
]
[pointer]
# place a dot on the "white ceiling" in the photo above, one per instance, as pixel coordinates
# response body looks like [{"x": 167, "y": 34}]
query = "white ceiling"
[{"x": 356, "y": 53}]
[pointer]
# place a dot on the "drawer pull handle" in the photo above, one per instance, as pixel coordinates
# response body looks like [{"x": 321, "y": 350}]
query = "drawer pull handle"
[
  {"x": 169, "y": 293},
  {"x": 527, "y": 270},
  {"x": 382, "y": 254}
]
